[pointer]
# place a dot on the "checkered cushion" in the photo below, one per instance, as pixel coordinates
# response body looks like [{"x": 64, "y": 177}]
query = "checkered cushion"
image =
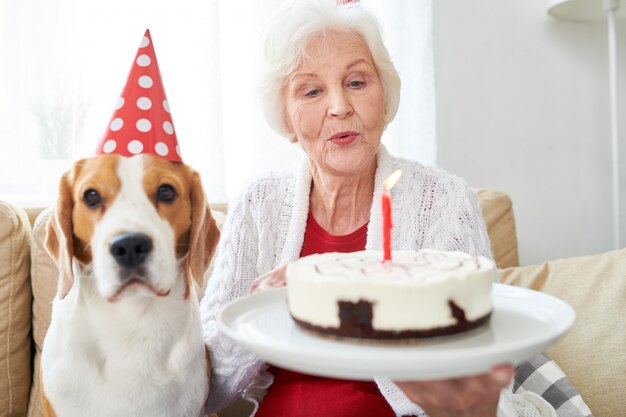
[{"x": 543, "y": 376}]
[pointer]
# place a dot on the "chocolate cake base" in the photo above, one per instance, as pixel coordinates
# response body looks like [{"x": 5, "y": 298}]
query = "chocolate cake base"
[{"x": 356, "y": 322}]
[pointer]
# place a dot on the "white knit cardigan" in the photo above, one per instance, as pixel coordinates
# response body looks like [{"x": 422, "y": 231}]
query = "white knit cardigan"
[{"x": 265, "y": 229}]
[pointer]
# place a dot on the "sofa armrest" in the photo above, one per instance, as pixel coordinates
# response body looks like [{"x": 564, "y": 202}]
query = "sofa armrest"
[
  {"x": 15, "y": 311},
  {"x": 497, "y": 210}
]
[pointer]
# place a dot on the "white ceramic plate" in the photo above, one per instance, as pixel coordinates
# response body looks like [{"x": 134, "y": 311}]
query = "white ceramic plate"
[{"x": 523, "y": 323}]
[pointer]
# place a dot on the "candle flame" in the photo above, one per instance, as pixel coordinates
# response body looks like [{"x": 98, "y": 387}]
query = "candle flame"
[{"x": 391, "y": 180}]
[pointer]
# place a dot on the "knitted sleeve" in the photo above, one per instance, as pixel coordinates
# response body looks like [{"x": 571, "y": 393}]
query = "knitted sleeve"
[
  {"x": 233, "y": 367},
  {"x": 459, "y": 224}
]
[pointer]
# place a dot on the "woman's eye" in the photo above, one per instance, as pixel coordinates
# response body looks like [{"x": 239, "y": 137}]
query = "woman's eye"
[
  {"x": 166, "y": 194},
  {"x": 356, "y": 84},
  {"x": 92, "y": 198},
  {"x": 313, "y": 93}
]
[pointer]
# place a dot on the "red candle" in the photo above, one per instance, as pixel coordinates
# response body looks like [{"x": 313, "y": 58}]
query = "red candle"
[
  {"x": 389, "y": 182},
  {"x": 386, "y": 226}
]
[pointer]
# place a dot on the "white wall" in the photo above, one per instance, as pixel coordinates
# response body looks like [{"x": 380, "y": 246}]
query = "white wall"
[{"x": 523, "y": 107}]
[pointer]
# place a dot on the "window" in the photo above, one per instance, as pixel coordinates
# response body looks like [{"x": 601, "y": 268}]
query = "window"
[{"x": 63, "y": 65}]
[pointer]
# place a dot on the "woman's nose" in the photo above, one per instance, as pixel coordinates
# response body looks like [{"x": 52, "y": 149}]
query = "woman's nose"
[{"x": 339, "y": 104}]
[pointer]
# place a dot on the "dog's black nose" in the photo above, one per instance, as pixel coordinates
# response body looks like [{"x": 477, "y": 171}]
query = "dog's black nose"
[{"x": 130, "y": 249}]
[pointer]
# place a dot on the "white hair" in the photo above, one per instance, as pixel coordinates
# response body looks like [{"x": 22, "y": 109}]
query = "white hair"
[{"x": 286, "y": 38}]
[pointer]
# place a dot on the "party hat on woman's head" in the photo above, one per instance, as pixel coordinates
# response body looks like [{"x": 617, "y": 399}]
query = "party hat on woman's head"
[{"x": 142, "y": 122}]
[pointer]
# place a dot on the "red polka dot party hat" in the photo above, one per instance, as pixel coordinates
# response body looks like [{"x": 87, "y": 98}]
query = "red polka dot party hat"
[{"x": 142, "y": 122}]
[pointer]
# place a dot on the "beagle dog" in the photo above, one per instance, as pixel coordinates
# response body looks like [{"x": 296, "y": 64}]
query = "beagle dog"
[{"x": 131, "y": 237}]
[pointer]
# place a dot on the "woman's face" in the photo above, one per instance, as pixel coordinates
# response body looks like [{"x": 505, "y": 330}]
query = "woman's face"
[{"x": 334, "y": 104}]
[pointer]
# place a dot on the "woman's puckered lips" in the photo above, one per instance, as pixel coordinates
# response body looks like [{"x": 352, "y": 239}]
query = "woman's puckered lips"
[{"x": 344, "y": 135}]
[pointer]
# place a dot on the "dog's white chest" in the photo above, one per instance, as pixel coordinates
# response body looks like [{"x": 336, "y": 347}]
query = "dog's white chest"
[{"x": 123, "y": 362}]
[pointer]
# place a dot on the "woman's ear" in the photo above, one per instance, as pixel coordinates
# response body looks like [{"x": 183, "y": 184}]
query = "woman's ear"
[{"x": 293, "y": 139}]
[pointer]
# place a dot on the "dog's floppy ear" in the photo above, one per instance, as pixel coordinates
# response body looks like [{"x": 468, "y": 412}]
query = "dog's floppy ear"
[
  {"x": 59, "y": 237},
  {"x": 203, "y": 237}
]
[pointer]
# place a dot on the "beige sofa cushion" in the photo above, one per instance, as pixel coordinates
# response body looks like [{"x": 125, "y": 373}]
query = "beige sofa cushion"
[
  {"x": 15, "y": 316},
  {"x": 44, "y": 276},
  {"x": 497, "y": 210},
  {"x": 593, "y": 353}
]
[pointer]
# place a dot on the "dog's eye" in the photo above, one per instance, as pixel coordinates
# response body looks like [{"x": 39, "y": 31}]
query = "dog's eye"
[
  {"x": 166, "y": 193},
  {"x": 92, "y": 198}
]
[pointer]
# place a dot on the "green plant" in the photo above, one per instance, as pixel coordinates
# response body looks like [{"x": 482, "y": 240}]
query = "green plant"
[{"x": 61, "y": 119}]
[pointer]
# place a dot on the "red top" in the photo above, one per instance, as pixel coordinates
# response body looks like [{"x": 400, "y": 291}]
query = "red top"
[
  {"x": 299, "y": 395},
  {"x": 318, "y": 240}
]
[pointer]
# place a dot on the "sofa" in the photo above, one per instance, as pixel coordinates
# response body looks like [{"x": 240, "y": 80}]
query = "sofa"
[{"x": 592, "y": 354}]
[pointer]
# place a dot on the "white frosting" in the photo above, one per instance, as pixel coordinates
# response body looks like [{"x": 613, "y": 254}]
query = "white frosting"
[{"x": 411, "y": 292}]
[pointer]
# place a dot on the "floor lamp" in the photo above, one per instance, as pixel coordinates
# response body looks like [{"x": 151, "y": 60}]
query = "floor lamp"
[{"x": 594, "y": 10}]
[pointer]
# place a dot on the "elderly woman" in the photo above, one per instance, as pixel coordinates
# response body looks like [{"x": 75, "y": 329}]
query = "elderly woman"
[{"x": 330, "y": 85}]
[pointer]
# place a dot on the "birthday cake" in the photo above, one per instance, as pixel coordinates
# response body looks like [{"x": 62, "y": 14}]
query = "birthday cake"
[{"x": 416, "y": 295}]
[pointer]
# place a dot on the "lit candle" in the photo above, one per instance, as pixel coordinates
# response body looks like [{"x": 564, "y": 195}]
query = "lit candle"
[{"x": 388, "y": 183}]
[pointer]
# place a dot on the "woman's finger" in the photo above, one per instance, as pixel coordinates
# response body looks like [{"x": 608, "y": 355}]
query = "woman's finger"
[
  {"x": 502, "y": 375},
  {"x": 273, "y": 279}
]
